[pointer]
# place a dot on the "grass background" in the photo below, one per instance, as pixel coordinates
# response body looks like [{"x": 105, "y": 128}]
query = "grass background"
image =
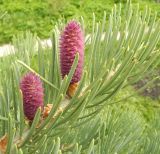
[{"x": 39, "y": 16}]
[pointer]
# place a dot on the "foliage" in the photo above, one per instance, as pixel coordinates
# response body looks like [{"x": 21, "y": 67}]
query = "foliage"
[{"x": 92, "y": 121}]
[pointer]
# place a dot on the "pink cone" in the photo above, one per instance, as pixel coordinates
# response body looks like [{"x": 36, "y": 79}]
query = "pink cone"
[
  {"x": 32, "y": 91},
  {"x": 71, "y": 42}
]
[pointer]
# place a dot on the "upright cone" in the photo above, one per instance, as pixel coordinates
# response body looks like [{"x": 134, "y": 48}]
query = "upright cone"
[
  {"x": 71, "y": 42},
  {"x": 32, "y": 91}
]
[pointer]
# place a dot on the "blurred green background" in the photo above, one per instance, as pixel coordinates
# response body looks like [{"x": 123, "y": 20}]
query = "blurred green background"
[{"x": 40, "y": 15}]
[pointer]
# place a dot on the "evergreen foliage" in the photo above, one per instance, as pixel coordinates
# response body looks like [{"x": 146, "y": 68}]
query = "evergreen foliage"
[{"x": 117, "y": 54}]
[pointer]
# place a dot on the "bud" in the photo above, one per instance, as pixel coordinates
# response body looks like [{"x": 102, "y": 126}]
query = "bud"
[
  {"x": 71, "y": 42},
  {"x": 32, "y": 91}
]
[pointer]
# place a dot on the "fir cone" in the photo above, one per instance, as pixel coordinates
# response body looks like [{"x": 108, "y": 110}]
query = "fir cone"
[
  {"x": 71, "y": 42},
  {"x": 32, "y": 91}
]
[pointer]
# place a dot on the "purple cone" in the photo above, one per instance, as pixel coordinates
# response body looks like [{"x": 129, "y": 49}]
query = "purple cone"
[
  {"x": 32, "y": 91},
  {"x": 71, "y": 42}
]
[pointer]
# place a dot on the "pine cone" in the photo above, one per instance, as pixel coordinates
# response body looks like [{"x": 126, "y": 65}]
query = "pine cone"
[
  {"x": 71, "y": 42},
  {"x": 32, "y": 91}
]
